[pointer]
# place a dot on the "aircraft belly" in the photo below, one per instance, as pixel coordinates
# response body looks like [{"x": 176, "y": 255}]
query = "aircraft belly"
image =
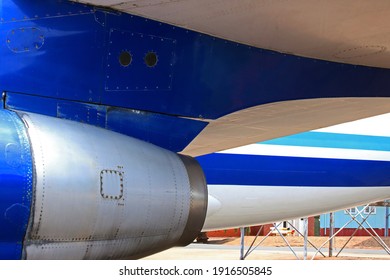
[{"x": 254, "y": 205}]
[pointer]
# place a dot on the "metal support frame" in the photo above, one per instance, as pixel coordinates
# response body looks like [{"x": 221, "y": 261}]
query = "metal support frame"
[
  {"x": 331, "y": 232},
  {"x": 361, "y": 225},
  {"x": 242, "y": 231},
  {"x": 375, "y": 235},
  {"x": 252, "y": 247},
  {"x": 332, "y": 235},
  {"x": 387, "y": 215},
  {"x": 305, "y": 235}
]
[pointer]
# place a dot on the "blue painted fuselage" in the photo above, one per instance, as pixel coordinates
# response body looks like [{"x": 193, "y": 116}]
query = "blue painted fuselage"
[
  {"x": 63, "y": 59},
  {"x": 157, "y": 83}
]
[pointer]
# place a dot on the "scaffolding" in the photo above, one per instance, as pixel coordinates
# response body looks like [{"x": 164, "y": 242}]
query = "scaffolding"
[
  {"x": 385, "y": 204},
  {"x": 359, "y": 218},
  {"x": 361, "y": 224},
  {"x": 253, "y": 247}
]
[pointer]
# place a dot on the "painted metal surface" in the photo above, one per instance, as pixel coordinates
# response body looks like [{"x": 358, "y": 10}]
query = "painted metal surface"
[
  {"x": 235, "y": 206},
  {"x": 360, "y": 157},
  {"x": 294, "y": 171},
  {"x": 349, "y": 31},
  {"x": 63, "y": 60},
  {"x": 137, "y": 76},
  {"x": 300, "y": 175},
  {"x": 16, "y": 184},
  {"x": 169, "y": 132},
  {"x": 103, "y": 195},
  {"x": 270, "y": 121},
  {"x": 211, "y": 77}
]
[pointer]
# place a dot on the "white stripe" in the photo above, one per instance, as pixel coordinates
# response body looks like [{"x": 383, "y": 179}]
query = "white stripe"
[
  {"x": 310, "y": 152},
  {"x": 375, "y": 126}
]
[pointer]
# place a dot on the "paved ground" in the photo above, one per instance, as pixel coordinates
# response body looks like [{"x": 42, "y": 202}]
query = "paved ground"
[{"x": 227, "y": 249}]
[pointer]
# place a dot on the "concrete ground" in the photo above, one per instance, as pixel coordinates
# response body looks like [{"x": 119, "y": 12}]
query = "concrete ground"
[{"x": 228, "y": 249}]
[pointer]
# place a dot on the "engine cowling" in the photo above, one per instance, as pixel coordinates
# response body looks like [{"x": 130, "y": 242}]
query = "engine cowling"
[{"x": 74, "y": 191}]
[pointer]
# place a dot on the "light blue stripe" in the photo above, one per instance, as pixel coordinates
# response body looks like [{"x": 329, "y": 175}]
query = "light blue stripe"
[{"x": 334, "y": 140}]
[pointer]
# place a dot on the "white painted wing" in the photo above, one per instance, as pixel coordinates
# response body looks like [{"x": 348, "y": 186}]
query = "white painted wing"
[{"x": 280, "y": 119}]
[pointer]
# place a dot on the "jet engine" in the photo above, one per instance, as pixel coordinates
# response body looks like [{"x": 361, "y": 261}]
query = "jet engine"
[{"x": 73, "y": 191}]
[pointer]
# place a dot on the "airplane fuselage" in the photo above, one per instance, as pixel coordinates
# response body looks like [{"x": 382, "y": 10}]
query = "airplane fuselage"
[
  {"x": 297, "y": 176},
  {"x": 96, "y": 105}
]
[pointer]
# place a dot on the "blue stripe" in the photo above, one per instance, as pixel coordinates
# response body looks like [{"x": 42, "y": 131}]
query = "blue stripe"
[
  {"x": 293, "y": 171},
  {"x": 334, "y": 140},
  {"x": 15, "y": 185}
]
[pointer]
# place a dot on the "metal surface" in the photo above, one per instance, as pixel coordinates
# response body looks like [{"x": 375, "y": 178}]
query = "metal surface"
[
  {"x": 387, "y": 220},
  {"x": 210, "y": 77},
  {"x": 253, "y": 205},
  {"x": 350, "y": 31},
  {"x": 198, "y": 201},
  {"x": 242, "y": 243},
  {"x": 305, "y": 235},
  {"x": 253, "y": 247},
  {"x": 102, "y": 195},
  {"x": 25, "y": 39},
  {"x": 331, "y": 232},
  {"x": 147, "y": 126},
  {"x": 16, "y": 183},
  {"x": 143, "y": 78},
  {"x": 270, "y": 121},
  {"x": 361, "y": 223},
  {"x": 302, "y": 168}
]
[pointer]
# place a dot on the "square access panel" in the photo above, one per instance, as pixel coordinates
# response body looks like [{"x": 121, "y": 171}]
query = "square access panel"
[
  {"x": 111, "y": 184},
  {"x": 139, "y": 62}
]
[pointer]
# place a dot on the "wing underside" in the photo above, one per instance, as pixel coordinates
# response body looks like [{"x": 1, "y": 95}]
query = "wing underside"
[
  {"x": 348, "y": 31},
  {"x": 280, "y": 119}
]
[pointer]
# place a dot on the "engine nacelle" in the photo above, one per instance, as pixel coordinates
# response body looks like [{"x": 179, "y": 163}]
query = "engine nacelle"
[{"x": 73, "y": 191}]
